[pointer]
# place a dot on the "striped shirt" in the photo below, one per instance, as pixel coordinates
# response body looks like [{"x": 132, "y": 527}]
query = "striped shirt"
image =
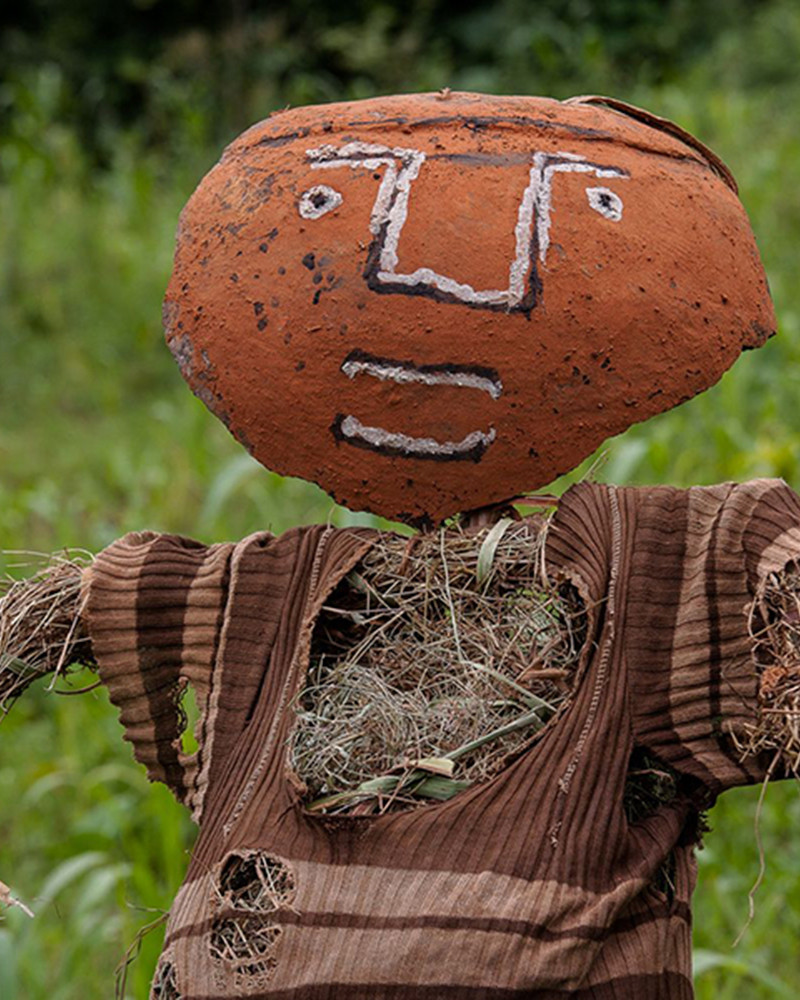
[{"x": 532, "y": 884}]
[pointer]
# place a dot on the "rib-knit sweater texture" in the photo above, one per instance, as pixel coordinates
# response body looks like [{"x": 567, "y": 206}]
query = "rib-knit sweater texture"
[{"x": 532, "y": 884}]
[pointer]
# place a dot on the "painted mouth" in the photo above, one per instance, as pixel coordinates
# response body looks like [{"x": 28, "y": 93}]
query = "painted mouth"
[
  {"x": 472, "y": 447},
  {"x": 466, "y": 376}
]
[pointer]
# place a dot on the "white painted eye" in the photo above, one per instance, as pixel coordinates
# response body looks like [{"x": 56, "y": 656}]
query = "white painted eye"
[
  {"x": 318, "y": 201},
  {"x": 606, "y": 202}
]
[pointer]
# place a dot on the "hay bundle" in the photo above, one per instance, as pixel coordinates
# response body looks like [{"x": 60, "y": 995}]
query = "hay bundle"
[
  {"x": 40, "y": 624},
  {"x": 432, "y": 664},
  {"x": 775, "y": 630}
]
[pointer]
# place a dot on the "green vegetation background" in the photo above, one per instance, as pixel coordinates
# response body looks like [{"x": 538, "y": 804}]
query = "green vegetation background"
[{"x": 109, "y": 115}]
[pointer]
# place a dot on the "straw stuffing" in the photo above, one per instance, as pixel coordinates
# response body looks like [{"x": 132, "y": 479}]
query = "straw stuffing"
[
  {"x": 40, "y": 624},
  {"x": 435, "y": 661},
  {"x": 775, "y": 631}
]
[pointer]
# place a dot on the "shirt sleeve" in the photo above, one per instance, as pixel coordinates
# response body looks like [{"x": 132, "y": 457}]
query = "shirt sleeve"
[
  {"x": 154, "y": 613},
  {"x": 165, "y": 612},
  {"x": 697, "y": 562}
]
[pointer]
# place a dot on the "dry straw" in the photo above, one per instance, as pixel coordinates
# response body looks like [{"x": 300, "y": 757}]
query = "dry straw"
[
  {"x": 40, "y": 623},
  {"x": 431, "y": 665},
  {"x": 775, "y": 630},
  {"x": 163, "y": 986}
]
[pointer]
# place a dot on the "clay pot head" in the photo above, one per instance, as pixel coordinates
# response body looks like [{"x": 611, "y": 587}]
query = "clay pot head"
[{"x": 428, "y": 304}]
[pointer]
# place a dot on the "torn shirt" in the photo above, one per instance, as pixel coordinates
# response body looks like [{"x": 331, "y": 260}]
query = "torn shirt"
[{"x": 532, "y": 884}]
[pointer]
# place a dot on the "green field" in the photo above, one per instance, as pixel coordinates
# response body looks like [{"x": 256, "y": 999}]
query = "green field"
[{"x": 98, "y": 436}]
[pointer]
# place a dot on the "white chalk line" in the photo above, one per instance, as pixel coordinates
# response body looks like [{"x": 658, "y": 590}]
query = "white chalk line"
[
  {"x": 307, "y": 206},
  {"x": 390, "y": 212},
  {"x": 605, "y": 201},
  {"x": 378, "y": 437},
  {"x": 399, "y": 373}
]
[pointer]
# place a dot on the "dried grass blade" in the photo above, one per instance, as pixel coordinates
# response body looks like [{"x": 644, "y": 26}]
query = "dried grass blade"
[
  {"x": 7, "y": 899},
  {"x": 443, "y": 766},
  {"x": 488, "y": 548},
  {"x": 531, "y": 719}
]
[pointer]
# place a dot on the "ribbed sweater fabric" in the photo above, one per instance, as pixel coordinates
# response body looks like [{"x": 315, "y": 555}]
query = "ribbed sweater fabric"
[{"x": 530, "y": 885}]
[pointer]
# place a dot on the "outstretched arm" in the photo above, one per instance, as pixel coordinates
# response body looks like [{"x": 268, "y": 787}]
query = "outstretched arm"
[
  {"x": 145, "y": 614},
  {"x": 42, "y": 631},
  {"x": 711, "y": 636}
]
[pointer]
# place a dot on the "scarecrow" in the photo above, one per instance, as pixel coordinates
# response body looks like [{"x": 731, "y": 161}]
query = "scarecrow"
[{"x": 471, "y": 763}]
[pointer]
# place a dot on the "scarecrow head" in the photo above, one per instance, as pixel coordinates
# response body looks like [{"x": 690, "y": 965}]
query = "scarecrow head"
[{"x": 428, "y": 304}]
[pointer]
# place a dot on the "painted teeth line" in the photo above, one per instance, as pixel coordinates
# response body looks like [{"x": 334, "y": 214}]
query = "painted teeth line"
[{"x": 396, "y": 372}]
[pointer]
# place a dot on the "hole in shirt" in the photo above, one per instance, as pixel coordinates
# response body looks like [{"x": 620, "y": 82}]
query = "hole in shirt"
[
  {"x": 432, "y": 664},
  {"x": 245, "y": 945},
  {"x": 650, "y": 784},
  {"x": 774, "y": 627},
  {"x": 255, "y": 882},
  {"x": 251, "y": 888},
  {"x": 164, "y": 986},
  {"x": 188, "y": 715}
]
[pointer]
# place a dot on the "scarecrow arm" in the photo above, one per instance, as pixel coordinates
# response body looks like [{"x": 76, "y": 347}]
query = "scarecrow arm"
[
  {"x": 700, "y": 590},
  {"x": 154, "y": 611},
  {"x": 42, "y": 632},
  {"x": 711, "y": 630},
  {"x": 147, "y": 614}
]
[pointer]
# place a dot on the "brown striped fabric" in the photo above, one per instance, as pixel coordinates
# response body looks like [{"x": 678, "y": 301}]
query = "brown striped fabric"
[{"x": 531, "y": 885}]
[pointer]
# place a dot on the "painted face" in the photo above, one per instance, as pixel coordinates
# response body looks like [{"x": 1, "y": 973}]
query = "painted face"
[{"x": 429, "y": 305}]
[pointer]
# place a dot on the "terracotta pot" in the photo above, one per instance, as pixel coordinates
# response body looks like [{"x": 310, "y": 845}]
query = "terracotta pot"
[{"x": 430, "y": 303}]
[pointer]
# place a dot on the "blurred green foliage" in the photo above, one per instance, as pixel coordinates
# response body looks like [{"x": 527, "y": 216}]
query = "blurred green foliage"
[
  {"x": 109, "y": 114},
  {"x": 191, "y": 70}
]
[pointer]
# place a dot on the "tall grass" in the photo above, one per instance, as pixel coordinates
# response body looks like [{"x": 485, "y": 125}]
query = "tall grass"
[{"x": 98, "y": 435}]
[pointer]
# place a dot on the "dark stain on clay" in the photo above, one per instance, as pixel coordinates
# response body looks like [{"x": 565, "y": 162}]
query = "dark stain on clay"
[
  {"x": 282, "y": 140},
  {"x": 245, "y": 192},
  {"x": 480, "y": 159},
  {"x": 478, "y": 122},
  {"x": 762, "y": 335},
  {"x": 263, "y": 246}
]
